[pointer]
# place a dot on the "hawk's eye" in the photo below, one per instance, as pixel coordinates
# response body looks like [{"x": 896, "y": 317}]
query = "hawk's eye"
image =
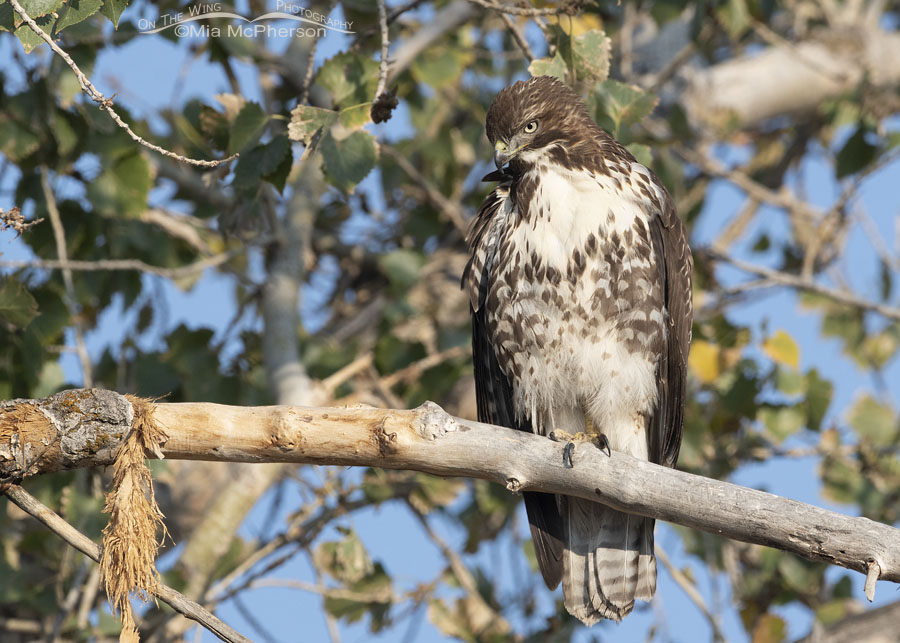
[{"x": 531, "y": 128}]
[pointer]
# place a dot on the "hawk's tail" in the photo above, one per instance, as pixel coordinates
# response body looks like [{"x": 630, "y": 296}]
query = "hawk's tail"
[{"x": 608, "y": 560}]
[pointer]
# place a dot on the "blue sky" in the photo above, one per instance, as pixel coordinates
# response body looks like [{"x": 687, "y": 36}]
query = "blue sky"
[{"x": 149, "y": 74}]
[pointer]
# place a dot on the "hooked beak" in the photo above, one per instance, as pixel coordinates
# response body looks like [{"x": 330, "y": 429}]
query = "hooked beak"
[{"x": 502, "y": 154}]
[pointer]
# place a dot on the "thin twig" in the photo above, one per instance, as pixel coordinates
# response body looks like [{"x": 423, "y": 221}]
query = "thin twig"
[
  {"x": 518, "y": 36},
  {"x": 59, "y": 236},
  {"x": 385, "y": 595},
  {"x": 384, "y": 103},
  {"x": 753, "y": 188},
  {"x": 417, "y": 368},
  {"x": 180, "y": 226},
  {"x": 106, "y": 103},
  {"x": 128, "y": 264},
  {"x": 450, "y": 209},
  {"x": 176, "y": 600},
  {"x": 362, "y": 363},
  {"x": 385, "y": 46},
  {"x": 310, "y": 64},
  {"x": 566, "y": 8},
  {"x": 691, "y": 590},
  {"x": 457, "y": 566},
  {"x": 795, "y": 281}
]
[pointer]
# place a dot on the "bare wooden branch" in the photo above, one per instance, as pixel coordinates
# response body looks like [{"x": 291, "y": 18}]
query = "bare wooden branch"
[
  {"x": 175, "y": 599},
  {"x": 81, "y": 428}
]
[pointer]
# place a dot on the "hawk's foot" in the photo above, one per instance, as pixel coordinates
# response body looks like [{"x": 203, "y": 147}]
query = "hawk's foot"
[{"x": 599, "y": 440}]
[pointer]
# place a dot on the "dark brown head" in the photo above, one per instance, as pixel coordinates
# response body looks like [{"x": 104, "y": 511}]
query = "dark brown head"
[{"x": 533, "y": 118}]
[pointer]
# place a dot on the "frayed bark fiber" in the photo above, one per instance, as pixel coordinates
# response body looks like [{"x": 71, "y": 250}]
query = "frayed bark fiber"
[{"x": 130, "y": 540}]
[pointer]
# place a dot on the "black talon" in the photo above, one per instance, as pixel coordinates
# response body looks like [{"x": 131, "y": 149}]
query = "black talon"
[
  {"x": 603, "y": 444},
  {"x": 568, "y": 451}
]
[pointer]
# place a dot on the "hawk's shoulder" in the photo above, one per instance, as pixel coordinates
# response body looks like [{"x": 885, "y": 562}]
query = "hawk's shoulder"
[{"x": 482, "y": 237}]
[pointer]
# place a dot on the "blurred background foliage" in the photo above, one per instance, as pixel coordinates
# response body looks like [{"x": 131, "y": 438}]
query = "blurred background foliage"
[{"x": 368, "y": 221}]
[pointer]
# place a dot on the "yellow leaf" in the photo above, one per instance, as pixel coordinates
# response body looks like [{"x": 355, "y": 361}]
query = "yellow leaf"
[
  {"x": 782, "y": 348},
  {"x": 769, "y": 629},
  {"x": 579, "y": 25},
  {"x": 704, "y": 361}
]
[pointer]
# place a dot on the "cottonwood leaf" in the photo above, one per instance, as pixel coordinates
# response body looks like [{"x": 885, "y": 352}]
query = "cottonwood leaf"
[
  {"x": 10, "y": 20},
  {"x": 856, "y": 153},
  {"x": 17, "y": 305},
  {"x": 345, "y": 560},
  {"x": 874, "y": 421},
  {"x": 307, "y": 120},
  {"x": 769, "y": 629},
  {"x": 782, "y": 421},
  {"x": 782, "y": 349},
  {"x": 351, "y": 79},
  {"x": 704, "y": 361},
  {"x": 555, "y": 67},
  {"x": 29, "y": 38},
  {"x": 623, "y": 104},
  {"x": 347, "y": 161},
  {"x": 247, "y": 127},
  {"x": 402, "y": 267},
  {"x": 75, "y": 11},
  {"x": 113, "y": 10},
  {"x": 591, "y": 52},
  {"x": 122, "y": 187}
]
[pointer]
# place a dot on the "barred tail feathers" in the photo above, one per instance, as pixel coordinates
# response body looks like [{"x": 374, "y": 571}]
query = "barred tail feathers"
[{"x": 608, "y": 561}]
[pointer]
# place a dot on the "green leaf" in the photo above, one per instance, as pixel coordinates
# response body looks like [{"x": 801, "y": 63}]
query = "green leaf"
[
  {"x": 248, "y": 126},
  {"x": 555, "y": 67},
  {"x": 122, "y": 188},
  {"x": 29, "y": 38},
  {"x": 441, "y": 67},
  {"x": 345, "y": 560},
  {"x": 356, "y": 116},
  {"x": 50, "y": 380},
  {"x": 376, "y": 588},
  {"x": 841, "y": 480},
  {"x": 16, "y": 142},
  {"x": 590, "y": 53},
  {"x": 307, "y": 120},
  {"x": 17, "y": 306},
  {"x": 65, "y": 135},
  {"x": 623, "y": 104},
  {"x": 213, "y": 124},
  {"x": 264, "y": 161},
  {"x": 36, "y": 8},
  {"x": 856, "y": 154},
  {"x": 278, "y": 174},
  {"x": 75, "y": 11},
  {"x": 402, "y": 267},
  {"x": 782, "y": 421},
  {"x": 789, "y": 381},
  {"x": 874, "y": 421},
  {"x": 642, "y": 153},
  {"x": 348, "y": 161},
  {"x": 351, "y": 78},
  {"x": 113, "y": 10},
  {"x": 735, "y": 16},
  {"x": 818, "y": 397}
]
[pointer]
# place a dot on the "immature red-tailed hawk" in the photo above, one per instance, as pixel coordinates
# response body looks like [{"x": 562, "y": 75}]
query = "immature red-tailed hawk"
[{"x": 579, "y": 280}]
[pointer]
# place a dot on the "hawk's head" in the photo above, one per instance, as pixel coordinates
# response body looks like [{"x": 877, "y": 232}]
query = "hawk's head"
[{"x": 534, "y": 118}]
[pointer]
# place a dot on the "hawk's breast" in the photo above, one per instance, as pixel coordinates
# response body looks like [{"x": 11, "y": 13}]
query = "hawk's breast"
[{"x": 574, "y": 305}]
